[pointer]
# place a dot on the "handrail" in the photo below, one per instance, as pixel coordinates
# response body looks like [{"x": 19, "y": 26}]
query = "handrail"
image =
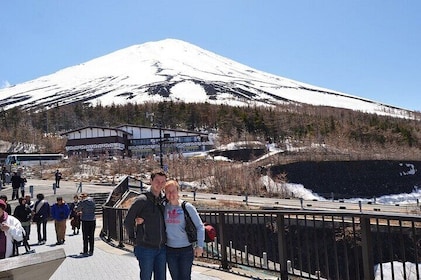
[{"x": 311, "y": 244}]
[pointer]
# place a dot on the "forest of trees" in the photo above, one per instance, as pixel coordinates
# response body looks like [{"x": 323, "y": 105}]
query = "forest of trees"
[{"x": 340, "y": 130}]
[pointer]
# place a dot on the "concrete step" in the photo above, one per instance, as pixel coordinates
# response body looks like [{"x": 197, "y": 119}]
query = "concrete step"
[{"x": 100, "y": 199}]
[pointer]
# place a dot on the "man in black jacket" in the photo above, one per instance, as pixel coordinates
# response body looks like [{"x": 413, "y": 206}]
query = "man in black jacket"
[
  {"x": 149, "y": 237},
  {"x": 57, "y": 176},
  {"x": 16, "y": 181}
]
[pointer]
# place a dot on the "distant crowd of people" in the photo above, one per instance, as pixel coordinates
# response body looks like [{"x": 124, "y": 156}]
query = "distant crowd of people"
[
  {"x": 16, "y": 179},
  {"x": 15, "y": 228},
  {"x": 165, "y": 230}
]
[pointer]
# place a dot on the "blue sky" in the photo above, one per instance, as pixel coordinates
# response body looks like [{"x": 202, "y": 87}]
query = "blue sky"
[{"x": 367, "y": 48}]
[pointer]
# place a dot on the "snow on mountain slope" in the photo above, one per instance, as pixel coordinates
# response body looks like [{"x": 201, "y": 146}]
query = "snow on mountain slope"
[{"x": 175, "y": 70}]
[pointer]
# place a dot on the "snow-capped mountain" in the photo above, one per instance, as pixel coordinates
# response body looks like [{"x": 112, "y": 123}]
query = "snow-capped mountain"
[{"x": 175, "y": 70}]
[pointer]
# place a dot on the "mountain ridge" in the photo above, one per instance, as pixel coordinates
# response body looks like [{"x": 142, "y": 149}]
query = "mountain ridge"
[{"x": 175, "y": 70}]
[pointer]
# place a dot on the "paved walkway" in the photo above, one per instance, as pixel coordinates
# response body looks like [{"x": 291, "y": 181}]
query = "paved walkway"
[{"x": 107, "y": 262}]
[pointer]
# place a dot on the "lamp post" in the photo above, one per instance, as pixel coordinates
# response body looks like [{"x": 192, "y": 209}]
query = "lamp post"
[
  {"x": 151, "y": 116},
  {"x": 161, "y": 163}
]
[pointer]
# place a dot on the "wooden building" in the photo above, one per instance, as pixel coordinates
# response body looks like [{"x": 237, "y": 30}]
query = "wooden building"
[{"x": 134, "y": 141}]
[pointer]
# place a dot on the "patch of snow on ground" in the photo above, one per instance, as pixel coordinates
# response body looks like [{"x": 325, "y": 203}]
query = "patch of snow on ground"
[
  {"x": 398, "y": 268},
  {"x": 296, "y": 190}
]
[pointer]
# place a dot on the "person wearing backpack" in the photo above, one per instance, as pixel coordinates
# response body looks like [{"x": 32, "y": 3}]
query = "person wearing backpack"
[
  {"x": 40, "y": 216},
  {"x": 180, "y": 250}
]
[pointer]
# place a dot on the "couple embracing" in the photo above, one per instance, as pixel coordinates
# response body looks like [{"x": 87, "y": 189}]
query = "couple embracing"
[{"x": 156, "y": 225}]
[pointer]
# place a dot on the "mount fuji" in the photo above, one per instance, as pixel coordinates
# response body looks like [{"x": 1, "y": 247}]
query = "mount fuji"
[{"x": 175, "y": 70}]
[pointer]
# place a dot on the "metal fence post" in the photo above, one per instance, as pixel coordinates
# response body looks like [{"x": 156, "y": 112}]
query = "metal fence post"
[
  {"x": 221, "y": 225},
  {"x": 367, "y": 252},
  {"x": 282, "y": 245},
  {"x": 121, "y": 222}
]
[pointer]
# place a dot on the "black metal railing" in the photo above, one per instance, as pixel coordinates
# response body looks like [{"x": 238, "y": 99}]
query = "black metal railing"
[{"x": 306, "y": 244}]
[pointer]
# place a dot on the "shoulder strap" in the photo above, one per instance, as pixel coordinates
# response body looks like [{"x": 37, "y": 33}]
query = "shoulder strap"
[
  {"x": 39, "y": 205},
  {"x": 186, "y": 213}
]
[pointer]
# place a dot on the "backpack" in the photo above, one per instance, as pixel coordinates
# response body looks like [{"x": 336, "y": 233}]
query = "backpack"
[
  {"x": 210, "y": 232},
  {"x": 191, "y": 230}
]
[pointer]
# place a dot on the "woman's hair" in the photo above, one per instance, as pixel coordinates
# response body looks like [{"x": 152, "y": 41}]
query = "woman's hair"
[
  {"x": 40, "y": 196},
  {"x": 172, "y": 182}
]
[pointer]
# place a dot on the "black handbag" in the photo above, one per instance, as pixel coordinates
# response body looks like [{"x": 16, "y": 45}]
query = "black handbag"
[
  {"x": 190, "y": 227},
  {"x": 36, "y": 218}
]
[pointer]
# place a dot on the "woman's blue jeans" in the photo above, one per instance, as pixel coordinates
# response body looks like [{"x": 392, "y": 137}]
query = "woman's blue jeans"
[
  {"x": 180, "y": 261},
  {"x": 151, "y": 261}
]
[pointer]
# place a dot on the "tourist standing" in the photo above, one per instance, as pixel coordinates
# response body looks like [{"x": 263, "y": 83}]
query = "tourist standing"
[
  {"x": 3, "y": 175},
  {"x": 16, "y": 180},
  {"x": 23, "y": 182},
  {"x": 149, "y": 239},
  {"x": 87, "y": 208},
  {"x": 60, "y": 212},
  {"x": 57, "y": 176},
  {"x": 40, "y": 216},
  {"x": 8, "y": 207},
  {"x": 29, "y": 202},
  {"x": 74, "y": 215},
  {"x": 24, "y": 214},
  {"x": 10, "y": 230},
  {"x": 180, "y": 251}
]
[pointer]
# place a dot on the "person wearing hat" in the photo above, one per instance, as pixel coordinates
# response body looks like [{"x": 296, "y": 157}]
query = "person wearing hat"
[
  {"x": 10, "y": 230},
  {"x": 87, "y": 209},
  {"x": 8, "y": 207}
]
